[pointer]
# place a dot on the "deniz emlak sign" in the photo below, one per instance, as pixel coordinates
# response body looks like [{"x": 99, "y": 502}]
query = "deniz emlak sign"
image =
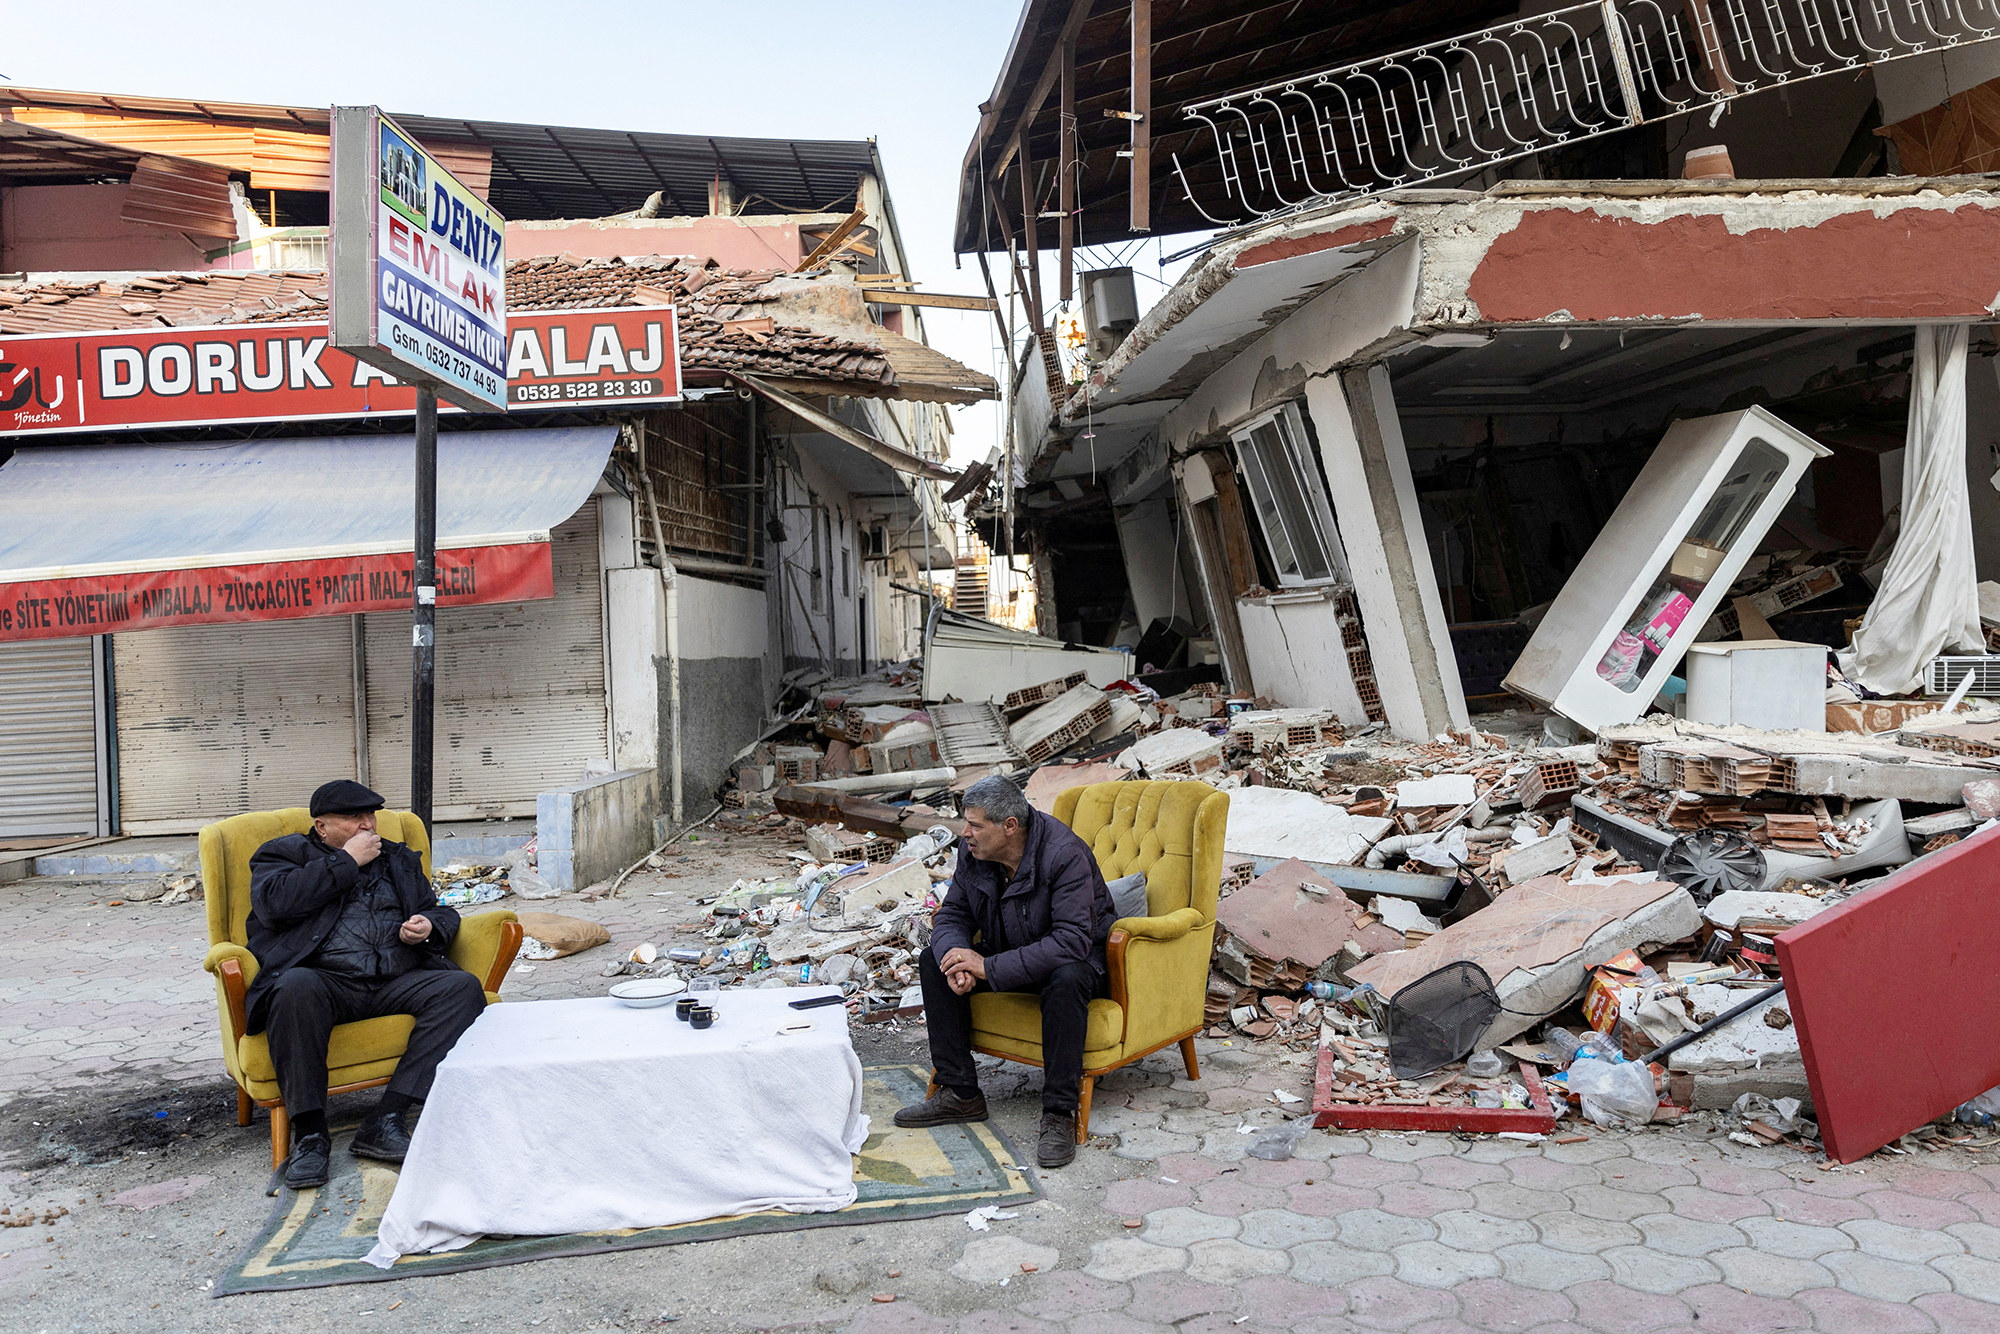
[
  {"x": 291, "y": 372},
  {"x": 417, "y": 265},
  {"x": 59, "y": 607}
]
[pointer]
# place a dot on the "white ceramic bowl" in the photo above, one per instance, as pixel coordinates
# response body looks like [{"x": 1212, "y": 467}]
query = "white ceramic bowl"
[{"x": 644, "y": 993}]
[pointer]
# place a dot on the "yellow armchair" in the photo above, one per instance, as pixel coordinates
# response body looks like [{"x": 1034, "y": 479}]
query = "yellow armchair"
[
  {"x": 360, "y": 1055},
  {"x": 1159, "y": 963}
]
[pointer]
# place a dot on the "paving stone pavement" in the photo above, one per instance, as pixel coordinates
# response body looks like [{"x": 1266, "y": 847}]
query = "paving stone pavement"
[{"x": 1674, "y": 1228}]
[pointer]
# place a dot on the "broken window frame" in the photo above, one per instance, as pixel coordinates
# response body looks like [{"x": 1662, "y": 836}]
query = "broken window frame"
[{"x": 1300, "y": 520}]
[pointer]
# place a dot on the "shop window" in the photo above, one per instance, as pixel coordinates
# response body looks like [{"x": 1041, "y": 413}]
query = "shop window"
[{"x": 1282, "y": 480}]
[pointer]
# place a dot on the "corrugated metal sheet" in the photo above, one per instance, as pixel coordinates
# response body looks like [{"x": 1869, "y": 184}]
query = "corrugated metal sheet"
[
  {"x": 180, "y": 196},
  {"x": 48, "y": 738},
  {"x": 214, "y": 720},
  {"x": 520, "y": 691}
]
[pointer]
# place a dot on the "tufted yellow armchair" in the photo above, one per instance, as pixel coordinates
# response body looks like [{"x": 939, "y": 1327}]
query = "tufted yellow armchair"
[
  {"x": 360, "y": 1055},
  {"x": 1172, "y": 831}
]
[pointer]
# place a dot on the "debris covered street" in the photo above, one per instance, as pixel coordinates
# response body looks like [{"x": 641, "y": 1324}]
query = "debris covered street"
[{"x": 1162, "y": 1221}]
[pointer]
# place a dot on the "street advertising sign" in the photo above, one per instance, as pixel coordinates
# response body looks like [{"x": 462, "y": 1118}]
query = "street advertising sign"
[
  {"x": 134, "y": 378},
  {"x": 276, "y": 590},
  {"x": 418, "y": 265}
]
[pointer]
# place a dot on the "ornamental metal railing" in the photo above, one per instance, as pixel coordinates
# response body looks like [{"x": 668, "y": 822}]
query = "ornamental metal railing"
[{"x": 1454, "y": 108}]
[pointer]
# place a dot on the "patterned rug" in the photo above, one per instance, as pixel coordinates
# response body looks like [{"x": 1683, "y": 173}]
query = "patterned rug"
[{"x": 317, "y": 1239}]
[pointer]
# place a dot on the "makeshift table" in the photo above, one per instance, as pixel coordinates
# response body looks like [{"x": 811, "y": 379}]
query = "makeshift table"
[{"x": 584, "y": 1115}]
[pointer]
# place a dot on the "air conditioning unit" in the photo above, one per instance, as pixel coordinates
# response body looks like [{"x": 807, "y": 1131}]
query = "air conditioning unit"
[
  {"x": 1942, "y": 675},
  {"x": 1110, "y": 310}
]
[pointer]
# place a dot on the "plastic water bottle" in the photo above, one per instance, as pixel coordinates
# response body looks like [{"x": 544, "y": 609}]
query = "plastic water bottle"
[
  {"x": 1485, "y": 1064},
  {"x": 1591, "y": 1045}
]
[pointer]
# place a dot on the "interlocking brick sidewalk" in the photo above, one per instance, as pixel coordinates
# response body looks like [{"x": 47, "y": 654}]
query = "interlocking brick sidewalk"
[{"x": 1668, "y": 1229}]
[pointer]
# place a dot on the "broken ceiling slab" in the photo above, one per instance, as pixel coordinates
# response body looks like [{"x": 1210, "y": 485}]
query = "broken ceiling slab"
[
  {"x": 1274, "y": 824},
  {"x": 972, "y": 659},
  {"x": 1728, "y": 909},
  {"x": 1538, "y": 941}
]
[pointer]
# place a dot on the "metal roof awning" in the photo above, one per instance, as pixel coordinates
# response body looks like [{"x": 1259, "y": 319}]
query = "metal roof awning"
[
  {"x": 114, "y": 538},
  {"x": 901, "y": 460}
]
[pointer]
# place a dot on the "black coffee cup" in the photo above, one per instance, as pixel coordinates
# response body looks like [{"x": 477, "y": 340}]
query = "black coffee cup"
[
  {"x": 684, "y": 1007},
  {"x": 701, "y": 1016}
]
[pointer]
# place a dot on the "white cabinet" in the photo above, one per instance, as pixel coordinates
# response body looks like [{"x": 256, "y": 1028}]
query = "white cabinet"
[{"x": 1662, "y": 565}]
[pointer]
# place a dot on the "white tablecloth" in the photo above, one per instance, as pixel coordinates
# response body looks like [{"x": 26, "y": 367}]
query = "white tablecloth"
[{"x": 583, "y": 1115}]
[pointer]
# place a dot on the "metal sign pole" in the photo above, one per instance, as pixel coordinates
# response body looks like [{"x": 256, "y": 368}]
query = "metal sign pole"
[{"x": 423, "y": 608}]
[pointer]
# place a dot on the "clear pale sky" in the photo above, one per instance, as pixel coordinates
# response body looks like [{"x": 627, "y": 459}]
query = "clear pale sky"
[{"x": 911, "y": 75}]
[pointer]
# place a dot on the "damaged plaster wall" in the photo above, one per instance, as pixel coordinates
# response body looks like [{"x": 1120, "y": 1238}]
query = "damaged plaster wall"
[{"x": 724, "y": 688}]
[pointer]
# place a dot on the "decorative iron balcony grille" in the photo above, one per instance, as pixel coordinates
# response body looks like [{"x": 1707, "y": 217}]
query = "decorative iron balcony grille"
[{"x": 1453, "y": 108}]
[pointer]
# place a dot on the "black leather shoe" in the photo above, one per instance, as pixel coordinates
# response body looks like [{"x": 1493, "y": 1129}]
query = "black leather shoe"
[
  {"x": 943, "y": 1108},
  {"x": 1057, "y": 1146},
  {"x": 382, "y": 1138},
  {"x": 306, "y": 1167}
]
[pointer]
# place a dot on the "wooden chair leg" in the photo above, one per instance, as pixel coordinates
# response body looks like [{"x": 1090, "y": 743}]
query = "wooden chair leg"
[
  {"x": 1188, "y": 1057},
  {"x": 281, "y": 1135},
  {"x": 1083, "y": 1110},
  {"x": 243, "y": 1106}
]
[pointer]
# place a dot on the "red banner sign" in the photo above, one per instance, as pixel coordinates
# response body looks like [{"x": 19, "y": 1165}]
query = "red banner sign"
[
  {"x": 134, "y": 378},
  {"x": 274, "y": 591}
]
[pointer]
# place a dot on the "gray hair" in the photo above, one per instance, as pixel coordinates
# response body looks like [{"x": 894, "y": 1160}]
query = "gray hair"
[{"x": 999, "y": 798}]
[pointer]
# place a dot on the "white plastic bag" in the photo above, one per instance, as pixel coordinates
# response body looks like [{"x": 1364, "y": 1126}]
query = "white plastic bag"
[
  {"x": 1277, "y": 1145},
  {"x": 524, "y": 880},
  {"x": 1612, "y": 1092}
]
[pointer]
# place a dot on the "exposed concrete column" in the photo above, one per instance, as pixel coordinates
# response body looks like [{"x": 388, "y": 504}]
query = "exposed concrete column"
[{"x": 1375, "y": 503}]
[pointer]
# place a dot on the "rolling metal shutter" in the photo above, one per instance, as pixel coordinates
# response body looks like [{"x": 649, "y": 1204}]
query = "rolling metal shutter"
[
  {"x": 48, "y": 738},
  {"x": 215, "y": 720},
  {"x": 520, "y": 701}
]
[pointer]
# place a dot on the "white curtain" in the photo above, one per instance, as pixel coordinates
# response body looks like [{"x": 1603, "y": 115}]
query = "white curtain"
[{"x": 1928, "y": 602}]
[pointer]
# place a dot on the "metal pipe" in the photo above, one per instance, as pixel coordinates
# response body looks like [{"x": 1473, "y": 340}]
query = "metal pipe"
[
  {"x": 1668, "y": 1049},
  {"x": 423, "y": 610}
]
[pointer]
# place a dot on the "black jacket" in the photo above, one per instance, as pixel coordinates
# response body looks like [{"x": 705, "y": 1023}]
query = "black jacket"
[
  {"x": 1056, "y": 909},
  {"x": 297, "y": 885}
]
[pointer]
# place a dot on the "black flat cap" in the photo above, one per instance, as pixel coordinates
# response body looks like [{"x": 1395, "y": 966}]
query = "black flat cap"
[{"x": 344, "y": 796}]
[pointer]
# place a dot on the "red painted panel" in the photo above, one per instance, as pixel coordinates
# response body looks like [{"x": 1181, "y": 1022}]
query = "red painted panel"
[
  {"x": 1896, "y": 994},
  {"x": 270, "y": 591},
  {"x": 1292, "y": 246},
  {"x": 1536, "y": 1120},
  {"x": 1916, "y": 263}
]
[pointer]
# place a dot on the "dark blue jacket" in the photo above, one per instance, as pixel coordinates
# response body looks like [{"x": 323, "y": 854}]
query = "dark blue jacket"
[
  {"x": 297, "y": 886},
  {"x": 1056, "y": 909}
]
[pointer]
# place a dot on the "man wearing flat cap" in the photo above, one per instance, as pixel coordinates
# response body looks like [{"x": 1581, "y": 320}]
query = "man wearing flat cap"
[{"x": 345, "y": 927}]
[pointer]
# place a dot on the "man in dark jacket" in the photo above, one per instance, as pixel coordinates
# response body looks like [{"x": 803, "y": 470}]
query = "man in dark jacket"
[
  {"x": 346, "y": 927},
  {"x": 1027, "y": 911}
]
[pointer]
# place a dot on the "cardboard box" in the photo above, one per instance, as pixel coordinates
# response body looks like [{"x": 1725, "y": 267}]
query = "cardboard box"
[
  {"x": 1613, "y": 990},
  {"x": 1696, "y": 560}
]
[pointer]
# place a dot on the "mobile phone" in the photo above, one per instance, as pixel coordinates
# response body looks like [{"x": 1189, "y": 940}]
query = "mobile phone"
[{"x": 814, "y": 1002}]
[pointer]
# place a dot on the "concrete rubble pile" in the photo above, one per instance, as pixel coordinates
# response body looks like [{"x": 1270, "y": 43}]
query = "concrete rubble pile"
[{"x": 1357, "y": 864}]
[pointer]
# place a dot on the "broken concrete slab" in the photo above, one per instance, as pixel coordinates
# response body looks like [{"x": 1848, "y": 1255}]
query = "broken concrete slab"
[
  {"x": 1845, "y": 776},
  {"x": 1290, "y": 921},
  {"x": 1052, "y": 780},
  {"x": 1185, "y": 751},
  {"x": 1272, "y": 824},
  {"x": 1443, "y": 790},
  {"x": 1544, "y": 856},
  {"x": 1539, "y": 940},
  {"x": 1727, "y": 909},
  {"x": 1745, "y": 1055}
]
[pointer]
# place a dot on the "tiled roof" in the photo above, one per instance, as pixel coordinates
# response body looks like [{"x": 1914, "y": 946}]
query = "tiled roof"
[{"x": 707, "y": 299}]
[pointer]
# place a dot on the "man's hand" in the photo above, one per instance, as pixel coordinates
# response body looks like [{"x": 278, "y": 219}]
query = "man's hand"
[
  {"x": 415, "y": 931},
  {"x": 364, "y": 847},
  {"x": 963, "y": 969}
]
